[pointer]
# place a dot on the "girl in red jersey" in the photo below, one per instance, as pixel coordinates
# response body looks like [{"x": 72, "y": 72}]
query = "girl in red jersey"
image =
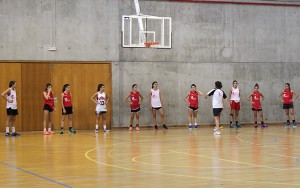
[
  {"x": 192, "y": 99},
  {"x": 135, "y": 106},
  {"x": 67, "y": 109},
  {"x": 256, "y": 105},
  {"x": 287, "y": 97},
  {"x": 48, "y": 108}
]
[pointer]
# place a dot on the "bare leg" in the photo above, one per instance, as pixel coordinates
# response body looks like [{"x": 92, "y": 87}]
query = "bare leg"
[
  {"x": 195, "y": 113},
  {"x": 70, "y": 120},
  {"x": 162, "y": 115},
  {"x": 154, "y": 117},
  {"x": 46, "y": 119},
  {"x": 63, "y": 117},
  {"x": 190, "y": 116}
]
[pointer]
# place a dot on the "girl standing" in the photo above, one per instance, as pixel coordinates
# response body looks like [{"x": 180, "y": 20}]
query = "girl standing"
[
  {"x": 256, "y": 105},
  {"x": 100, "y": 99},
  {"x": 192, "y": 99},
  {"x": 155, "y": 103},
  {"x": 10, "y": 95},
  {"x": 287, "y": 97},
  {"x": 235, "y": 104},
  {"x": 48, "y": 108},
  {"x": 135, "y": 106},
  {"x": 67, "y": 109}
]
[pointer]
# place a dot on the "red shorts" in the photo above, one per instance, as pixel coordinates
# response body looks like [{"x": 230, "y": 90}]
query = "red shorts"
[{"x": 235, "y": 105}]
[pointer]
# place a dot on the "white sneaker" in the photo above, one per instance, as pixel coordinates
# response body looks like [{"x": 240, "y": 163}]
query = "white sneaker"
[
  {"x": 96, "y": 131},
  {"x": 105, "y": 130},
  {"x": 217, "y": 133}
]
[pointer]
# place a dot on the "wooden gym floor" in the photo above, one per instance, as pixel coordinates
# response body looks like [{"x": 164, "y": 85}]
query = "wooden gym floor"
[{"x": 174, "y": 158}]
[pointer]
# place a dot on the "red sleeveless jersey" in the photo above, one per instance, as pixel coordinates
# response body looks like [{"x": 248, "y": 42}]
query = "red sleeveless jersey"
[
  {"x": 50, "y": 100},
  {"x": 67, "y": 100},
  {"x": 193, "y": 99},
  {"x": 135, "y": 99},
  {"x": 256, "y": 100},
  {"x": 287, "y": 96}
]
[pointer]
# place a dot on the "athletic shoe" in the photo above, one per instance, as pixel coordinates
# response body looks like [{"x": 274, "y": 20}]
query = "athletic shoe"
[
  {"x": 61, "y": 131},
  {"x": 130, "y": 128},
  {"x": 294, "y": 124},
  {"x": 263, "y": 126},
  {"x": 255, "y": 126},
  {"x": 7, "y": 134},
  {"x": 46, "y": 133},
  {"x": 165, "y": 127},
  {"x": 287, "y": 125},
  {"x": 155, "y": 127},
  {"x": 196, "y": 126},
  {"x": 190, "y": 127},
  {"x": 217, "y": 133},
  {"x": 105, "y": 130},
  {"x": 51, "y": 132},
  {"x": 238, "y": 126},
  {"x": 230, "y": 126},
  {"x": 137, "y": 128},
  {"x": 72, "y": 131},
  {"x": 96, "y": 130},
  {"x": 15, "y": 134},
  {"x": 215, "y": 129}
]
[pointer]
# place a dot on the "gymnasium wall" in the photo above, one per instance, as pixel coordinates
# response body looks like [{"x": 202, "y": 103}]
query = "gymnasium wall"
[{"x": 210, "y": 42}]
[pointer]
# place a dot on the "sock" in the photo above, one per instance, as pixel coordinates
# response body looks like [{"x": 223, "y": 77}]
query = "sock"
[
  {"x": 262, "y": 122},
  {"x": 137, "y": 125},
  {"x": 13, "y": 129},
  {"x": 190, "y": 124},
  {"x": 196, "y": 123},
  {"x": 45, "y": 129},
  {"x": 70, "y": 128},
  {"x": 7, "y": 129},
  {"x": 49, "y": 129},
  {"x": 97, "y": 126},
  {"x": 230, "y": 122},
  {"x": 104, "y": 127},
  {"x": 237, "y": 122},
  {"x": 130, "y": 125},
  {"x": 294, "y": 121},
  {"x": 288, "y": 121},
  {"x": 256, "y": 122},
  {"x": 61, "y": 128}
]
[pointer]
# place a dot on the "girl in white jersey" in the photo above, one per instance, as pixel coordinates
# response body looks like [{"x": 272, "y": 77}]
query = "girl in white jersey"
[
  {"x": 10, "y": 95},
  {"x": 217, "y": 102},
  {"x": 155, "y": 103},
  {"x": 101, "y": 99},
  {"x": 235, "y": 104}
]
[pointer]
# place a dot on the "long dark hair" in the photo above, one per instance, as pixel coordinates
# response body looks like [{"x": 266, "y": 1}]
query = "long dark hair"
[
  {"x": 256, "y": 85},
  {"x": 11, "y": 83},
  {"x": 134, "y": 85},
  {"x": 99, "y": 86},
  {"x": 47, "y": 85},
  {"x": 65, "y": 87},
  {"x": 288, "y": 85},
  {"x": 155, "y": 82},
  {"x": 193, "y": 85}
]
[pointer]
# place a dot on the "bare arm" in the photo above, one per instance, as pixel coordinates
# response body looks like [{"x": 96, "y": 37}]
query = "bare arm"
[
  {"x": 142, "y": 98},
  {"x": 93, "y": 98},
  {"x": 199, "y": 93},
  {"x": 248, "y": 98},
  {"x": 126, "y": 99},
  {"x": 262, "y": 96},
  {"x": 4, "y": 95},
  {"x": 161, "y": 97},
  {"x": 295, "y": 94},
  {"x": 46, "y": 94},
  {"x": 280, "y": 97},
  {"x": 107, "y": 99},
  {"x": 150, "y": 98},
  {"x": 62, "y": 102},
  {"x": 186, "y": 98}
]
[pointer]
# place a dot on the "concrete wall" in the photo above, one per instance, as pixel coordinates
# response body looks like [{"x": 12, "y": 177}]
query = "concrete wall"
[{"x": 210, "y": 42}]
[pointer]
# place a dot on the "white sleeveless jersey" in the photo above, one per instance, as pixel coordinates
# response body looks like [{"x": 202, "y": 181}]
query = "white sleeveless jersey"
[
  {"x": 235, "y": 94},
  {"x": 155, "y": 99},
  {"x": 101, "y": 106},
  {"x": 12, "y": 96}
]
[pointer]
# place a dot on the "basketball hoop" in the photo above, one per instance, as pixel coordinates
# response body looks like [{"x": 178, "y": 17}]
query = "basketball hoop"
[{"x": 149, "y": 44}]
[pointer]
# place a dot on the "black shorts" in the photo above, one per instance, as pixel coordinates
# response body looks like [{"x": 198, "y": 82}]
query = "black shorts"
[
  {"x": 193, "y": 108},
  {"x": 288, "y": 106},
  {"x": 11, "y": 112},
  {"x": 217, "y": 111},
  {"x": 48, "y": 108},
  {"x": 156, "y": 108},
  {"x": 69, "y": 110},
  {"x": 99, "y": 113},
  {"x": 257, "y": 109},
  {"x": 135, "y": 110}
]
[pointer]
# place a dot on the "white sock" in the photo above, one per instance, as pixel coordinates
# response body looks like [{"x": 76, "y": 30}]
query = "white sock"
[
  {"x": 104, "y": 127},
  {"x": 45, "y": 129},
  {"x": 97, "y": 126},
  {"x": 196, "y": 124},
  {"x": 49, "y": 129},
  {"x": 13, "y": 129},
  {"x": 7, "y": 129},
  {"x": 190, "y": 124}
]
